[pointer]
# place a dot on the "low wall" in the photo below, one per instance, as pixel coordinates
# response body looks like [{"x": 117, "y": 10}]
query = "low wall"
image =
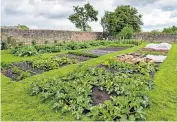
[
  {"x": 159, "y": 37},
  {"x": 41, "y": 36}
]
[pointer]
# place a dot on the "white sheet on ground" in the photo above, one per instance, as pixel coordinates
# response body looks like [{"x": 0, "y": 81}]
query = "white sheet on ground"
[
  {"x": 157, "y": 58},
  {"x": 161, "y": 46}
]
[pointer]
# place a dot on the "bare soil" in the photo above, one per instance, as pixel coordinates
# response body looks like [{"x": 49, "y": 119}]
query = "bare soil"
[
  {"x": 78, "y": 58},
  {"x": 107, "y": 50},
  {"x": 113, "y": 48},
  {"x": 8, "y": 72},
  {"x": 27, "y": 66},
  {"x": 99, "y": 96}
]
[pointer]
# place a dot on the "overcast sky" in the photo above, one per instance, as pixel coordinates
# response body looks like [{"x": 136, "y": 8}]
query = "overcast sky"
[{"x": 53, "y": 14}]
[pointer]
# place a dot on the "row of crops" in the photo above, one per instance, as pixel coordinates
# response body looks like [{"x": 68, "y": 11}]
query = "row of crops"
[{"x": 34, "y": 49}]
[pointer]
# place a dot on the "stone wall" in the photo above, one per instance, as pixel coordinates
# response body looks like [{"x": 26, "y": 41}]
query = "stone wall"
[
  {"x": 49, "y": 36},
  {"x": 159, "y": 37}
]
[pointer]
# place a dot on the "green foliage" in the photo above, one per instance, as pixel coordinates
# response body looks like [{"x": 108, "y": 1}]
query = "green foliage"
[
  {"x": 23, "y": 51},
  {"x": 35, "y": 49},
  {"x": 125, "y": 33},
  {"x": 47, "y": 64},
  {"x": 72, "y": 92},
  {"x": 5, "y": 65},
  {"x": 20, "y": 73},
  {"x": 129, "y": 42},
  {"x": 170, "y": 30},
  {"x": 22, "y": 27},
  {"x": 4, "y": 45},
  {"x": 33, "y": 42},
  {"x": 83, "y": 15},
  {"x": 114, "y": 22}
]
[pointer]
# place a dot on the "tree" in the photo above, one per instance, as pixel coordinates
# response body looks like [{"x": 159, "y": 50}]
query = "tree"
[
  {"x": 22, "y": 27},
  {"x": 170, "y": 30},
  {"x": 126, "y": 33},
  {"x": 114, "y": 22},
  {"x": 83, "y": 15}
]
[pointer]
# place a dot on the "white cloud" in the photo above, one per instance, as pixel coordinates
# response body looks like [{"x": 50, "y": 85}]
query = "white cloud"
[{"x": 53, "y": 14}]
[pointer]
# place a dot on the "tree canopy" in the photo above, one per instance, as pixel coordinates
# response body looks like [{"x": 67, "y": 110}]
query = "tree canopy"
[
  {"x": 22, "y": 27},
  {"x": 114, "y": 22},
  {"x": 170, "y": 30},
  {"x": 83, "y": 15}
]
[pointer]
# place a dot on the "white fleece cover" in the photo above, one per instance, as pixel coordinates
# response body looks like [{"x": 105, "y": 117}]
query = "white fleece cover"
[
  {"x": 157, "y": 58},
  {"x": 161, "y": 46}
]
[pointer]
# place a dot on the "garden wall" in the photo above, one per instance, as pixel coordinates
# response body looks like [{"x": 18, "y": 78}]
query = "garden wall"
[
  {"x": 158, "y": 37},
  {"x": 50, "y": 36}
]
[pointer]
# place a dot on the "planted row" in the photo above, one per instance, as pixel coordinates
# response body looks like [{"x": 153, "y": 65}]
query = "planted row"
[
  {"x": 21, "y": 70},
  {"x": 73, "y": 93},
  {"x": 39, "y": 49},
  {"x": 15, "y": 73}
]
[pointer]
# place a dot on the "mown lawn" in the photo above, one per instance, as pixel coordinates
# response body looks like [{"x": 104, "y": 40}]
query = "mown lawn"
[
  {"x": 163, "y": 99},
  {"x": 18, "y": 105}
]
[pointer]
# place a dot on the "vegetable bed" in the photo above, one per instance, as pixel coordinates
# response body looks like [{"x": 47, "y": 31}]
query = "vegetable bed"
[
  {"x": 21, "y": 70},
  {"x": 93, "y": 93}
]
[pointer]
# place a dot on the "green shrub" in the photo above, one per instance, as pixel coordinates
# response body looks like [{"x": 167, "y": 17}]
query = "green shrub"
[
  {"x": 4, "y": 45},
  {"x": 24, "y": 51},
  {"x": 126, "y": 33},
  {"x": 33, "y": 42}
]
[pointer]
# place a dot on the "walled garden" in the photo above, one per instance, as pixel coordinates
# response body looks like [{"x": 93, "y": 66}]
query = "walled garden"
[{"x": 96, "y": 80}]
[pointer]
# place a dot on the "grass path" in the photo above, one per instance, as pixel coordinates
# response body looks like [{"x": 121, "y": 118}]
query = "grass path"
[{"x": 163, "y": 99}]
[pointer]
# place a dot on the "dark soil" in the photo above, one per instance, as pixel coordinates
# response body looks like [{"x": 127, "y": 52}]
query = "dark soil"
[
  {"x": 113, "y": 48},
  {"x": 8, "y": 72},
  {"x": 79, "y": 58},
  {"x": 99, "y": 96},
  {"x": 103, "y": 51},
  {"x": 27, "y": 66},
  {"x": 107, "y": 68}
]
